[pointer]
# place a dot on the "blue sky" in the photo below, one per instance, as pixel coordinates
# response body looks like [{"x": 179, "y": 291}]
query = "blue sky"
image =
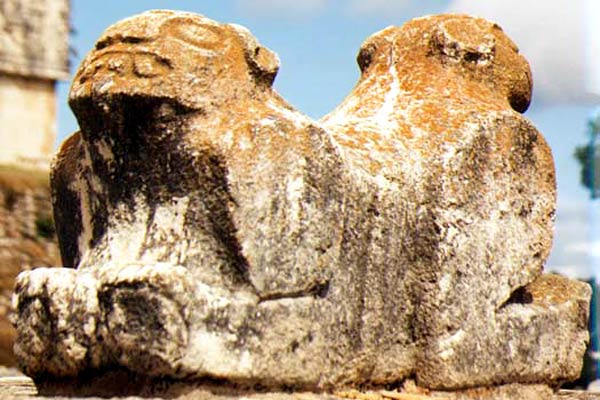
[{"x": 317, "y": 41}]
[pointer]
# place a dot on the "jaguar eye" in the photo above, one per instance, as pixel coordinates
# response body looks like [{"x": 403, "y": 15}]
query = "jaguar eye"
[
  {"x": 150, "y": 65},
  {"x": 166, "y": 111},
  {"x": 114, "y": 39},
  {"x": 201, "y": 36}
]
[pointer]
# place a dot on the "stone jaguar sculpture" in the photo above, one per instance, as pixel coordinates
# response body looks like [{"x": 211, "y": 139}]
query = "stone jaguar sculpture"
[
  {"x": 186, "y": 164},
  {"x": 211, "y": 230},
  {"x": 437, "y": 113}
]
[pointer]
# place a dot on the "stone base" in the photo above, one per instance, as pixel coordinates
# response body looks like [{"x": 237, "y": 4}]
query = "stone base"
[{"x": 121, "y": 384}]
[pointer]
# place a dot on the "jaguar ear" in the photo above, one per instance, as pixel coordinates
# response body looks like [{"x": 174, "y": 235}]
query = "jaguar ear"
[
  {"x": 464, "y": 41},
  {"x": 365, "y": 56},
  {"x": 373, "y": 50},
  {"x": 263, "y": 63}
]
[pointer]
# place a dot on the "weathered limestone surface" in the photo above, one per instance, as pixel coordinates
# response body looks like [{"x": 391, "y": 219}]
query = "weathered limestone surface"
[{"x": 214, "y": 231}]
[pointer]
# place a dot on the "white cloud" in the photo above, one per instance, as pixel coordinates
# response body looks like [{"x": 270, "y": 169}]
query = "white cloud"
[
  {"x": 377, "y": 6},
  {"x": 283, "y": 8},
  {"x": 399, "y": 8},
  {"x": 591, "y": 248},
  {"x": 571, "y": 271},
  {"x": 570, "y": 254},
  {"x": 554, "y": 36}
]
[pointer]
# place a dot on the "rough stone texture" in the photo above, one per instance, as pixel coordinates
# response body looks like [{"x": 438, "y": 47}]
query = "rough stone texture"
[
  {"x": 217, "y": 232},
  {"x": 34, "y": 38}
]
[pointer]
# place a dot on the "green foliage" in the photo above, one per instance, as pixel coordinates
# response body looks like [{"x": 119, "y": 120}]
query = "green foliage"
[
  {"x": 44, "y": 225},
  {"x": 594, "y": 125},
  {"x": 588, "y": 156},
  {"x": 10, "y": 198},
  {"x": 583, "y": 156}
]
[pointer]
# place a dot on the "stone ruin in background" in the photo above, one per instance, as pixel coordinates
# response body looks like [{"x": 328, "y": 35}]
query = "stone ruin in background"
[
  {"x": 34, "y": 55},
  {"x": 208, "y": 229}
]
